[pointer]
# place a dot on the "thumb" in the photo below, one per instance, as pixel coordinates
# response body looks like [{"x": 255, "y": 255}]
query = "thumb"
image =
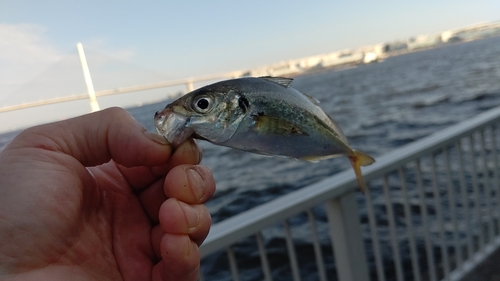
[{"x": 98, "y": 137}]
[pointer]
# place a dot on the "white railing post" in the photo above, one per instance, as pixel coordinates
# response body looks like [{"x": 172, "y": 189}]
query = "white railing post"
[
  {"x": 345, "y": 232},
  {"x": 88, "y": 80},
  {"x": 189, "y": 86}
]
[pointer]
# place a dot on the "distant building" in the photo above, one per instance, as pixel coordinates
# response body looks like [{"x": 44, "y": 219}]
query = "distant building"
[
  {"x": 423, "y": 41},
  {"x": 370, "y": 57},
  {"x": 285, "y": 68},
  {"x": 308, "y": 62},
  {"x": 451, "y": 36},
  {"x": 474, "y": 32},
  {"x": 373, "y": 53},
  {"x": 394, "y": 47},
  {"x": 345, "y": 57}
]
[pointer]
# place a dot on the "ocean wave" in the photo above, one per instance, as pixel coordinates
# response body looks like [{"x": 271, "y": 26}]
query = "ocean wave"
[
  {"x": 477, "y": 97},
  {"x": 431, "y": 101}
]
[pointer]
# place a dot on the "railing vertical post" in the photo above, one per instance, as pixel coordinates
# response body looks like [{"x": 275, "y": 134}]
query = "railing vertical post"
[
  {"x": 189, "y": 86},
  {"x": 345, "y": 232}
]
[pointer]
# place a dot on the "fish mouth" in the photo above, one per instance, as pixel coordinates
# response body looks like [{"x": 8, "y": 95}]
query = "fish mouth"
[{"x": 172, "y": 126}]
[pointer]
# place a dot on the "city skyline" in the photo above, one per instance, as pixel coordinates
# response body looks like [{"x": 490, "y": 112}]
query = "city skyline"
[
  {"x": 363, "y": 54},
  {"x": 167, "y": 41}
]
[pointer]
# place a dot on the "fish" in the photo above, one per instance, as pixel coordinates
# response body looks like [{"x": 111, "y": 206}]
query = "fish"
[{"x": 263, "y": 115}]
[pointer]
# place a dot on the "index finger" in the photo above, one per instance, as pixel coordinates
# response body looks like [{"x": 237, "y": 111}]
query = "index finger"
[
  {"x": 97, "y": 137},
  {"x": 141, "y": 177}
]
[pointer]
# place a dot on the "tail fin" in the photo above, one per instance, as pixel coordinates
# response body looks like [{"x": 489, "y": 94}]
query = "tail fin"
[{"x": 359, "y": 159}]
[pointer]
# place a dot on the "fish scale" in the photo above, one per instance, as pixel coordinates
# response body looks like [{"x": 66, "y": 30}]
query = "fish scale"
[{"x": 262, "y": 115}]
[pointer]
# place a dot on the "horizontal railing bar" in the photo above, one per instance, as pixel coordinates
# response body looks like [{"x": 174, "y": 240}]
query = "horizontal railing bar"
[
  {"x": 43, "y": 102},
  {"x": 121, "y": 90},
  {"x": 164, "y": 84},
  {"x": 476, "y": 259},
  {"x": 392, "y": 160},
  {"x": 241, "y": 226},
  {"x": 250, "y": 222}
]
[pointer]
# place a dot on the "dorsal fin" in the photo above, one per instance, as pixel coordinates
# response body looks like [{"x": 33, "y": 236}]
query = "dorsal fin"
[
  {"x": 285, "y": 82},
  {"x": 312, "y": 99}
]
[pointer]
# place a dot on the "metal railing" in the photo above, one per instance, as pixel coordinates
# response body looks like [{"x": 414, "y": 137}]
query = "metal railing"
[
  {"x": 431, "y": 213},
  {"x": 92, "y": 94},
  {"x": 188, "y": 82}
]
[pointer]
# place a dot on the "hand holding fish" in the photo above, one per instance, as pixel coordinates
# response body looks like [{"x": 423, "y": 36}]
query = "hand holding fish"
[
  {"x": 98, "y": 198},
  {"x": 260, "y": 115}
]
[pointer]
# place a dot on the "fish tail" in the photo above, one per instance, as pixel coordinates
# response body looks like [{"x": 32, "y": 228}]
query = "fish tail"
[{"x": 359, "y": 159}]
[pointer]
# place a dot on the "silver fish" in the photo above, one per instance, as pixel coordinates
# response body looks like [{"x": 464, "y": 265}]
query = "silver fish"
[{"x": 261, "y": 115}]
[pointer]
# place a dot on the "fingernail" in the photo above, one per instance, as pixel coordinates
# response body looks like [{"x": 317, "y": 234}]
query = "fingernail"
[
  {"x": 195, "y": 145},
  {"x": 191, "y": 245},
  {"x": 200, "y": 152},
  {"x": 192, "y": 147},
  {"x": 192, "y": 216},
  {"x": 156, "y": 138},
  {"x": 196, "y": 181}
]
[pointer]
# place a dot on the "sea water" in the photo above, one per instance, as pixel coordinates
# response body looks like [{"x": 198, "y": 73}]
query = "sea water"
[{"x": 380, "y": 106}]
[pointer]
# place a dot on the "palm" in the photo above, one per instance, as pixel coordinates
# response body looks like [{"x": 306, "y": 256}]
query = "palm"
[
  {"x": 76, "y": 240},
  {"x": 63, "y": 220}
]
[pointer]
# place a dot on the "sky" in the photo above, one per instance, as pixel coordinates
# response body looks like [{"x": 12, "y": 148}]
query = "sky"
[{"x": 153, "y": 41}]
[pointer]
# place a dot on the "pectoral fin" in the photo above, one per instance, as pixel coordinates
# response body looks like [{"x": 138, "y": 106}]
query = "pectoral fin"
[{"x": 276, "y": 126}]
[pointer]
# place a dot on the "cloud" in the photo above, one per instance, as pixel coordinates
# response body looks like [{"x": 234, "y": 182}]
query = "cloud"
[
  {"x": 101, "y": 45},
  {"x": 25, "y": 51},
  {"x": 25, "y": 43},
  {"x": 32, "y": 67}
]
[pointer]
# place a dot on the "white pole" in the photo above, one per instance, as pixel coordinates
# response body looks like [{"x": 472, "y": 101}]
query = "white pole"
[{"x": 88, "y": 80}]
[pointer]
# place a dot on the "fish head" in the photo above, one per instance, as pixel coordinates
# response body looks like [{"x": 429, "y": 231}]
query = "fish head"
[
  {"x": 172, "y": 125},
  {"x": 213, "y": 115}
]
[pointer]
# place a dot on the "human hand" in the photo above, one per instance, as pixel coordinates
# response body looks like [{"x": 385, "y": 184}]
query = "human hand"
[{"x": 98, "y": 198}]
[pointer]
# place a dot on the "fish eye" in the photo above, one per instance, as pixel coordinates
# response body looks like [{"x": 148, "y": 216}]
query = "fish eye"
[{"x": 202, "y": 104}]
